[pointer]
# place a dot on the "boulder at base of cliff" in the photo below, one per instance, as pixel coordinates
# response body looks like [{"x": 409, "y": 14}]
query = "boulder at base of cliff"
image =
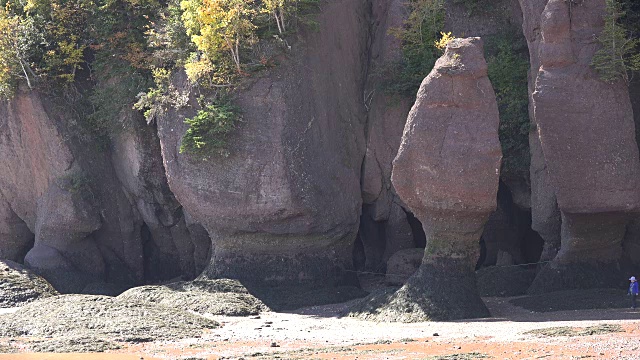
[
  {"x": 19, "y": 286},
  {"x": 215, "y": 297},
  {"x": 67, "y": 319}
]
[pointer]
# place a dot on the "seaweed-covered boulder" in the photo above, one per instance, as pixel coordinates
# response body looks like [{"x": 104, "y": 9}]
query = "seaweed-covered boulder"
[
  {"x": 215, "y": 297},
  {"x": 586, "y": 132},
  {"x": 446, "y": 172},
  {"x": 19, "y": 286},
  {"x": 107, "y": 318}
]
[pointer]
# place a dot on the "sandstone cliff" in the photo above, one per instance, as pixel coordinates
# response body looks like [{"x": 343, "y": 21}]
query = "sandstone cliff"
[{"x": 305, "y": 197}]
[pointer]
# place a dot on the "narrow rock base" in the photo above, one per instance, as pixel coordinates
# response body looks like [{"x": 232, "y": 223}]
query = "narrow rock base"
[
  {"x": 557, "y": 277},
  {"x": 429, "y": 295}
]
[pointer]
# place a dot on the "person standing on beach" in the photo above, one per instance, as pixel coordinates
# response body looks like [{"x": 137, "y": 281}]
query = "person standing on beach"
[{"x": 633, "y": 291}]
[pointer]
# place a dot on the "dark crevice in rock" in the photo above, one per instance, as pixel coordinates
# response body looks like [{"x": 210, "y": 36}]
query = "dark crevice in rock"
[
  {"x": 508, "y": 238},
  {"x": 378, "y": 241},
  {"x": 359, "y": 256},
  {"x": 158, "y": 266},
  {"x": 17, "y": 239},
  {"x": 532, "y": 245},
  {"x": 419, "y": 237},
  {"x": 372, "y": 236}
]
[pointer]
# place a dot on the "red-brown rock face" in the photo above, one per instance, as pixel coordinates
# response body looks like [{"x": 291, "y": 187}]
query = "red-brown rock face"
[
  {"x": 545, "y": 216},
  {"x": 447, "y": 172},
  {"x": 587, "y": 135},
  {"x": 74, "y": 212},
  {"x": 385, "y": 120},
  {"x": 449, "y": 159},
  {"x": 284, "y": 207},
  {"x": 35, "y": 183}
]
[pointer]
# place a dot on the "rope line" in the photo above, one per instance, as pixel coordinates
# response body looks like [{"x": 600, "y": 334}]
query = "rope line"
[{"x": 405, "y": 275}]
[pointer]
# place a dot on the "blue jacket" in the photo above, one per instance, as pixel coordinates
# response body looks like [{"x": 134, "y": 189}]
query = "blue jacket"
[{"x": 633, "y": 288}]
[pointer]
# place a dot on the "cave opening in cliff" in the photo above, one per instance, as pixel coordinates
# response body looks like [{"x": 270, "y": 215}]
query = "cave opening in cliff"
[
  {"x": 419, "y": 237},
  {"x": 378, "y": 240},
  {"x": 158, "y": 265},
  {"x": 17, "y": 237},
  {"x": 508, "y": 238}
]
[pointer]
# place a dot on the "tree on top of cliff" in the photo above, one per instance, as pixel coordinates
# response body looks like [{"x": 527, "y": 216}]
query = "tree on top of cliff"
[
  {"x": 220, "y": 25},
  {"x": 13, "y": 57},
  {"x": 619, "y": 53},
  {"x": 277, "y": 9},
  {"x": 420, "y": 35}
]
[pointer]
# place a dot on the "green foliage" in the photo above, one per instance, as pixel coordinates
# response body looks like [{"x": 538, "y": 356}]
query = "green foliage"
[
  {"x": 167, "y": 38},
  {"x": 508, "y": 66},
  {"x": 211, "y": 40},
  {"x": 224, "y": 32},
  {"x": 105, "y": 52},
  {"x": 77, "y": 183},
  {"x": 161, "y": 97},
  {"x": 116, "y": 85},
  {"x": 10, "y": 64},
  {"x": 208, "y": 130},
  {"x": 219, "y": 26},
  {"x": 420, "y": 34},
  {"x": 60, "y": 26},
  {"x": 19, "y": 40},
  {"x": 619, "y": 54},
  {"x": 53, "y": 40}
]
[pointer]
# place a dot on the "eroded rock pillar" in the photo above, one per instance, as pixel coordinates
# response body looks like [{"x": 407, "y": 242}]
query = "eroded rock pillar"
[
  {"x": 587, "y": 134},
  {"x": 447, "y": 172}
]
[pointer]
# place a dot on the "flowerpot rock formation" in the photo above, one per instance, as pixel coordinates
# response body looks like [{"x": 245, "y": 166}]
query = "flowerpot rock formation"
[{"x": 447, "y": 172}]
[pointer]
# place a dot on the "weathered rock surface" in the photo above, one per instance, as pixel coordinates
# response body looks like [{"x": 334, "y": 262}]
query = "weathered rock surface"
[
  {"x": 39, "y": 185},
  {"x": 284, "y": 206},
  {"x": 76, "y": 213},
  {"x": 386, "y": 113},
  {"x": 19, "y": 286},
  {"x": 214, "y": 297},
  {"x": 137, "y": 160},
  {"x": 545, "y": 216},
  {"x": 587, "y": 135},
  {"x": 446, "y": 172}
]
